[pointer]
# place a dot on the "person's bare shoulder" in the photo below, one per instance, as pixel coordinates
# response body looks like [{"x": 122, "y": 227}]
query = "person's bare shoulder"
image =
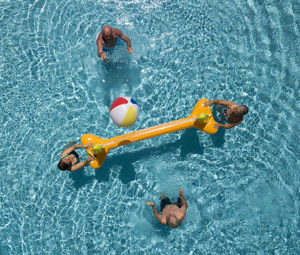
[{"x": 117, "y": 32}]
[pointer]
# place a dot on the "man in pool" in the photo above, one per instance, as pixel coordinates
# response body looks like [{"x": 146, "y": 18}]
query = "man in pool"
[
  {"x": 171, "y": 213},
  {"x": 69, "y": 159},
  {"x": 107, "y": 39},
  {"x": 232, "y": 112}
]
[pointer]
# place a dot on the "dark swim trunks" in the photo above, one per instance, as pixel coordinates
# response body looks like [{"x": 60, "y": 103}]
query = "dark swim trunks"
[{"x": 166, "y": 201}]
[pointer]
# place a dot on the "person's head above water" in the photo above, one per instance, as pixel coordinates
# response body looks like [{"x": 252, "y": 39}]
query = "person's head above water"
[
  {"x": 239, "y": 110},
  {"x": 242, "y": 109},
  {"x": 172, "y": 220},
  {"x": 64, "y": 165},
  {"x": 107, "y": 32}
]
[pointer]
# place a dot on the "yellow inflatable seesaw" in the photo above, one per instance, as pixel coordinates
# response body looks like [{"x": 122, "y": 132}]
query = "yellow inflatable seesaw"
[{"x": 200, "y": 118}]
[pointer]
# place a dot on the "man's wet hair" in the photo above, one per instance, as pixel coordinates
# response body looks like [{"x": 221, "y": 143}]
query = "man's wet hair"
[
  {"x": 172, "y": 223},
  {"x": 245, "y": 109},
  {"x": 64, "y": 166}
]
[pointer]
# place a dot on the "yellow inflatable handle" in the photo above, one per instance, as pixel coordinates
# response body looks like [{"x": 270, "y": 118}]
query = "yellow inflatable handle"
[{"x": 200, "y": 118}]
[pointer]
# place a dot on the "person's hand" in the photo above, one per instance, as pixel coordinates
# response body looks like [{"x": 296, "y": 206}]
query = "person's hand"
[
  {"x": 129, "y": 50},
  {"x": 149, "y": 203},
  {"x": 207, "y": 103},
  {"x": 216, "y": 125},
  {"x": 88, "y": 145},
  {"x": 180, "y": 192},
  {"x": 91, "y": 158},
  {"x": 103, "y": 56}
]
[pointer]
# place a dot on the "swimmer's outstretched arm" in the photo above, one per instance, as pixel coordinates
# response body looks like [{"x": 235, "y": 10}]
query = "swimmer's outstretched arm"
[
  {"x": 220, "y": 102},
  {"x": 156, "y": 214},
  {"x": 99, "y": 43},
  {"x": 182, "y": 198},
  {"x": 69, "y": 150},
  {"x": 184, "y": 206},
  {"x": 74, "y": 147},
  {"x": 82, "y": 164},
  {"x": 228, "y": 125},
  {"x": 125, "y": 39}
]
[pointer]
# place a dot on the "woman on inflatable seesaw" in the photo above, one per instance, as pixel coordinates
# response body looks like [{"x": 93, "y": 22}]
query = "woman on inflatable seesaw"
[
  {"x": 70, "y": 160},
  {"x": 232, "y": 113}
]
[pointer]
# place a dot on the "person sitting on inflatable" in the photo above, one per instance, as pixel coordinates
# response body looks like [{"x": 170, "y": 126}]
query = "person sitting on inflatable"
[
  {"x": 69, "y": 159},
  {"x": 232, "y": 112}
]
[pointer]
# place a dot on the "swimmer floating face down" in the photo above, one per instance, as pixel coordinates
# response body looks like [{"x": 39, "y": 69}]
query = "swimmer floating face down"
[
  {"x": 171, "y": 213},
  {"x": 172, "y": 220}
]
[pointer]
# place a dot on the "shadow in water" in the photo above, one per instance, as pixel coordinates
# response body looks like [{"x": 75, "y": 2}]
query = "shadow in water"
[
  {"x": 79, "y": 178},
  {"x": 188, "y": 143},
  {"x": 218, "y": 139}
]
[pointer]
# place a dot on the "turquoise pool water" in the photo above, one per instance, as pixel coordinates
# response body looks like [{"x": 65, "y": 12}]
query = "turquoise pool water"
[{"x": 241, "y": 185}]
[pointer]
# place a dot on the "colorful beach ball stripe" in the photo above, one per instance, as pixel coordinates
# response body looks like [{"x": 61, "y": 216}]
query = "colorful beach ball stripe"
[{"x": 124, "y": 111}]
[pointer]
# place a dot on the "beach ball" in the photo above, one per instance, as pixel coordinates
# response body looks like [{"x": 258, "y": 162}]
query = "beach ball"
[{"x": 124, "y": 111}]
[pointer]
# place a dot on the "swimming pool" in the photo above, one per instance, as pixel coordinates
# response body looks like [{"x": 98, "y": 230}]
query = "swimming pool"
[{"x": 241, "y": 185}]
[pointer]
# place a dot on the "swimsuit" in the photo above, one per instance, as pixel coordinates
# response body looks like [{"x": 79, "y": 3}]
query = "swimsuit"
[
  {"x": 75, "y": 155},
  {"x": 166, "y": 201},
  {"x": 225, "y": 116}
]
